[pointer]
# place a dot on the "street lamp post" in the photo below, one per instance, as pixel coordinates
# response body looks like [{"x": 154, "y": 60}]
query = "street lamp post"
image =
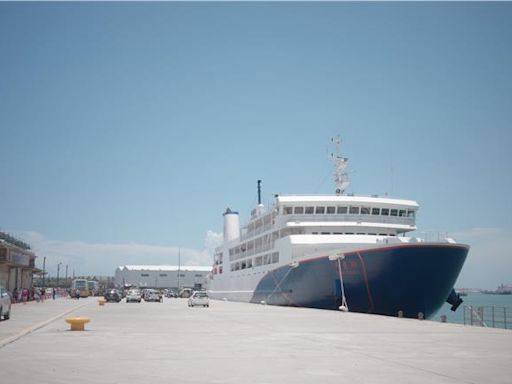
[
  {"x": 179, "y": 264},
  {"x": 44, "y": 271},
  {"x": 58, "y": 269}
]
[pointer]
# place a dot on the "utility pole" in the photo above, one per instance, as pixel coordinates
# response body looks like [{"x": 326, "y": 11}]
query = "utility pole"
[{"x": 58, "y": 270}]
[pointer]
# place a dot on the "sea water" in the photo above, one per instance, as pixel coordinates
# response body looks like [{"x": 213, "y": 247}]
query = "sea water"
[{"x": 476, "y": 300}]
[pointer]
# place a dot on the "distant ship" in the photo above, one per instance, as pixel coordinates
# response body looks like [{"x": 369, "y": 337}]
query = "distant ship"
[
  {"x": 336, "y": 251},
  {"x": 502, "y": 290}
]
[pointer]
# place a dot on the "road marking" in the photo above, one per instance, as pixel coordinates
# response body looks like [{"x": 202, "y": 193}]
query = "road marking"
[{"x": 33, "y": 328}]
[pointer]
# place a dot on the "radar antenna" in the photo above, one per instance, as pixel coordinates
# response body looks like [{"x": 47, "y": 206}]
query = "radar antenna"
[{"x": 340, "y": 165}]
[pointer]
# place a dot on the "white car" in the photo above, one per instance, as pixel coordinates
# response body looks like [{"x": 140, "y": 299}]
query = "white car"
[
  {"x": 133, "y": 295},
  {"x": 199, "y": 298},
  {"x": 5, "y": 303},
  {"x": 152, "y": 295}
]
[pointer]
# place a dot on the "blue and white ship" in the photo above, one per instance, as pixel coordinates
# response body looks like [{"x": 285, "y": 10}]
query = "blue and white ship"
[{"x": 336, "y": 252}]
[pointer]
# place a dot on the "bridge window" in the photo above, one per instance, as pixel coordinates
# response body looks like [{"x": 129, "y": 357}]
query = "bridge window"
[
  {"x": 310, "y": 210},
  {"x": 401, "y": 213},
  {"x": 342, "y": 210},
  {"x": 410, "y": 214},
  {"x": 354, "y": 210},
  {"x": 365, "y": 210},
  {"x": 286, "y": 232},
  {"x": 320, "y": 210},
  {"x": 287, "y": 210},
  {"x": 384, "y": 211},
  {"x": 394, "y": 212},
  {"x": 298, "y": 210},
  {"x": 331, "y": 210},
  {"x": 375, "y": 211}
]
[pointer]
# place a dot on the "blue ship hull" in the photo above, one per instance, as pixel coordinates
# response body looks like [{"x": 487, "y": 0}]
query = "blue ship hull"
[{"x": 408, "y": 278}]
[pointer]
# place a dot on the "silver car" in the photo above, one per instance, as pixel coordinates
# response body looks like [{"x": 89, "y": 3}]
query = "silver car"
[
  {"x": 133, "y": 295},
  {"x": 199, "y": 298},
  {"x": 5, "y": 303}
]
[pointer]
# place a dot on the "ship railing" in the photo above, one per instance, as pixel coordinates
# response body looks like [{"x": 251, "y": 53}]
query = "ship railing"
[
  {"x": 356, "y": 218},
  {"x": 433, "y": 236},
  {"x": 488, "y": 316},
  {"x": 246, "y": 234}
]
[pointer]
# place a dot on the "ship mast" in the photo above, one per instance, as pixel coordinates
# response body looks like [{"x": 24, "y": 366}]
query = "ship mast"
[{"x": 340, "y": 166}]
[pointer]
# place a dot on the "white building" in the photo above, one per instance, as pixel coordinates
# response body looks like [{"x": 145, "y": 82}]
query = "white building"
[{"x": 162, "y": 276}]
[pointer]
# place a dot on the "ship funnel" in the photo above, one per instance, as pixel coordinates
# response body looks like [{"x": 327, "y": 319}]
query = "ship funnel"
[
  {"x": 259, "y": 192},
  {"x": 231, "y": 225}
]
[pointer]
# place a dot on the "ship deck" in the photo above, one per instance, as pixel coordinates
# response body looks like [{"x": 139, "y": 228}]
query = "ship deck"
[{"x": 241, "y": 343}]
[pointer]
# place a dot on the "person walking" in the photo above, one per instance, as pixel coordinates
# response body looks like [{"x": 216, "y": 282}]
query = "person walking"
[
  {"x": 24, "y": 295},
  {"x": 53, "y": 293}
]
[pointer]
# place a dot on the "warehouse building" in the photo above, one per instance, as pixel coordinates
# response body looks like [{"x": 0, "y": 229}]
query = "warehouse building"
[{"x": 162, "y": 276}]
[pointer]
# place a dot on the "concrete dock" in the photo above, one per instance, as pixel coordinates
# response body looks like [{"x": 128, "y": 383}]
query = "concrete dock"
[{"x": 241, "y": 343}]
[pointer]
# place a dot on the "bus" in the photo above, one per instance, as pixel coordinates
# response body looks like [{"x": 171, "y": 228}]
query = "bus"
[
  {"x": 93, "y": 287},
  {"x": 81, "y": 285}
]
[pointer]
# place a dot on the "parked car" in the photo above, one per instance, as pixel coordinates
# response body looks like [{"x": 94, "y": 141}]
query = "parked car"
[
  {"x": 171, "y": 294},
  {"x": 152, "y": 295},
  {"x": 112, "y": 295},
  {"x": 5, "y": 303},
  {"x": 199, "y": 298},
  {"x": 186, "y": 293},
  {"x": 133, "y": 295}
]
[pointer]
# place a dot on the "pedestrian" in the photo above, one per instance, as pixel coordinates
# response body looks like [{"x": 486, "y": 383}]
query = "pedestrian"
[
  {"x": 24, "y": 295},
  {"x": 53, "y": 293}
]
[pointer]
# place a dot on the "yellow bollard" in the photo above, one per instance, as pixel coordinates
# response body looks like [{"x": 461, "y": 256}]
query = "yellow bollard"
[
  {"x": 102, "y": 301},
  {"x": 77, "y": 323}
]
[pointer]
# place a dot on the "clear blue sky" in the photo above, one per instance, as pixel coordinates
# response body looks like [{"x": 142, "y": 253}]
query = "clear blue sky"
[{"x": 139, "y": 123}]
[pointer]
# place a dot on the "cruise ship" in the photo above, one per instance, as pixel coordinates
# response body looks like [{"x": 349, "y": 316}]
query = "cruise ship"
[{"x": 341, "y": 252}]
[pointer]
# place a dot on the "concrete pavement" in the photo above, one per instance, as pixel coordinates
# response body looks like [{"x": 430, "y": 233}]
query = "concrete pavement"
[
  {"x": 249, "y": 343},
  {"x": 33, "y": 315}
]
